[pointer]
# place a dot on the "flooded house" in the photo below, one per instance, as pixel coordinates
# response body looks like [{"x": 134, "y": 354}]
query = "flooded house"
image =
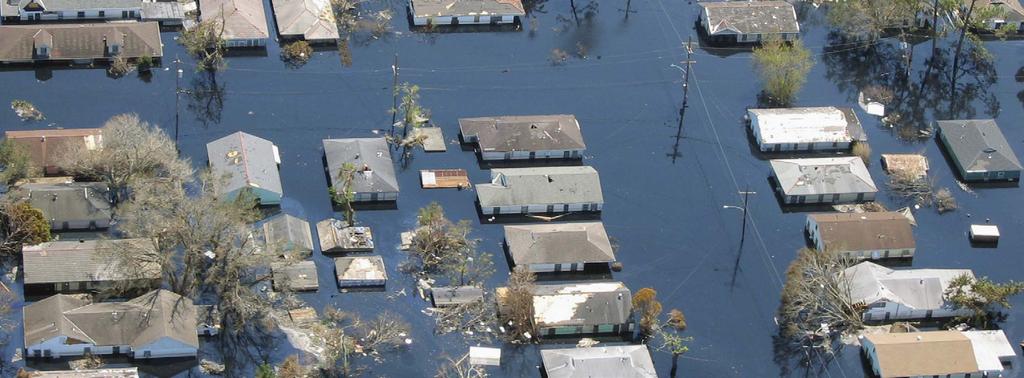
[
  {"x": 979, "y": 150},
  {"x": 938, "y": 353},
  {"x": 129, "y": 372},
  {"x": 298, "y": 276},
  {"x": 79, "y": 43},
  {"x": 72, "y": 206},
  {"x": 541, "y": 190},
  {"x": 632, "y": 361},
  {"x": 159, "y": 324},
  {"x": 45, "y": 147},
  {"x": 870, "y": 235},
  {"x": 69, "y": 10},
  {"x": 245, "y": 21},
  {"x": 743, "y": 22},
  {"x": 242, "y": 161},
  {"x": 582, "y": 309},
  {"x": 559, "y": 247},
  {"x": 823, "y": 180},
  {"x": 916, "y": 294},
  {"x": 360, "y": 271},
  {"x": 524, "y": 137},
  {"x": 374, "y": 179},
  {"x": 336, "y": 236},
  {"x": 465, "y": 12},
  {"x": 286, "y": 233},
  {"x": 1008, "y": 14},
  {"x": 308, "y": 20},
  {"x": 805, "y": 129},
  {"x": 87, "y": 265}
]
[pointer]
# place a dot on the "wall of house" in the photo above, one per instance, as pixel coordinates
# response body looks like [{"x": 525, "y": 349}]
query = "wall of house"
[
  {"x": 548, "y": 268},
  {"x": 266, "y": 197},
  {"x": 163, "y": 348},
  {"x": 58, "y": 348},
  {"x": 994, "y": 24},
  {"x": 255, "y": 42},
  {"x": 79, "y": 224},
  {"x": 584, "y": 329},
  {"x": 91, "y": 14},
  {"x": 525, "y": 155},
  {"x": 820, "y": 146},
  {"x": 360, "y": 283},
  {"x": 896, "y": 311},
  {"x": 755, "y": 38},
  {"x": 829, "y": 198},
  {"x": 376, "y": 196},
  {"x": 539, "y": 209}
]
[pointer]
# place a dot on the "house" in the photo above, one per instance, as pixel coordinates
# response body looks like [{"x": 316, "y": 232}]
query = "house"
[
  {"x": 299, "y": 276},
  {"x": 524, "y": 137},
  {"x": 79, "y": 43},
  {"x": 633, "y": 361},
  {"x": 540, "y": 190},
  {"x": 805, "y": 129},
  {"x": 241, "y": 161},
  {"x": 582, "y": 309},
  {"x": 465, "y": 12},
  {"x": 937, "y": 353},
  {"x": 909, "y": 165},
  {"x": 69, "y": 10},
  {"x": 823, "y": 180},
  {"x": 374, "y": 179},
  {"x": 902, "y": 294},
  {"x": 73, "y": 206},
  {"x": 158, "y": 324},
  {"x": 46, "y": 146},
  {"x": 559, "y": 247},
  {"x": 86, "y": 265},
  {"x": 287, "y": 233},
  {"x": 360, "y": 271},
  {"x": 871, "y": 236},
  {"x": 337, "y": 236},
  {"x": 309, "y": 20},
  {"x": 444, "y": 296},
  {"x": 245, "y": 21},
  {"x": 732, "y": 22},
  {"x": 132, "y": 372},
  {"x": 979, "y": 150},
  {"x": 1009, "y": 12}
]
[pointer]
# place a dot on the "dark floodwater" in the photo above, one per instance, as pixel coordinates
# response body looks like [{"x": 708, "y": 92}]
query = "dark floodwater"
[{"x": 666, "y": 212}]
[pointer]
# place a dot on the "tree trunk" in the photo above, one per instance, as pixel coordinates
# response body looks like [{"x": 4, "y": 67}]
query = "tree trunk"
[
  {"x": 675, "y": 365},
  {"x": 964, "y": 24}
]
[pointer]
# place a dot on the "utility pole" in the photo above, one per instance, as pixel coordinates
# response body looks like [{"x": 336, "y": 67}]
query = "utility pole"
[
  {"x": 394, "y": 95},
  {"x": 177, "y": 95},
  {"x": 743, "y": 231},
  {"x": 686, "y": 89}
]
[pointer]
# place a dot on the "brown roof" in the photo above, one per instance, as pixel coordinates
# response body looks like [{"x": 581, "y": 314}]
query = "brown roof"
[
  {"x": 923, "y": 353},
  {"x": 79, "y": 41},
  {"x": 243, "y": 19},
  {"x": 864, "y": 231},
  {"x": 44, "y": 145},
  {"x": 85, "y": 261}
]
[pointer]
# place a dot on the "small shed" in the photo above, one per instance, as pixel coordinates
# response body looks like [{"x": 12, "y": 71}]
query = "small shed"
[
  {"x": 434, "y": 138},
  {"x": 287, "y": 233},
  {"x": 300, "y": 276},
  {"x": 360, "y": 271},
  {"x": 485, "y": 356},
  {"x": 911, "y": 164},
  {"x": 302, "y": 315},
  {"x": 444, "y": 178},
  {"x": 455, "y": 295},
  {"x": 984, "y": 233},
  {"x": 167, "y": 13},
  {"x": 336, "y": 237}
]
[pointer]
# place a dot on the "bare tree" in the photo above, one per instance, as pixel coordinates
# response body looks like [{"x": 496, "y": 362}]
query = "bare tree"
[
  {"x": 911, "y": 186},
  {"x": 438, "y": 244},
  {"x": 816, "y": 305},
  {"x": 132, "y": 151},
  {"x": 671, "y": 340},
  {"x": 516, "y": 305},
  {"x": 205, "y": 41},
  {"x": 347, "y": 196},
  {"x": 477, "y": 317},
  {"x": 459, "y": 368}
]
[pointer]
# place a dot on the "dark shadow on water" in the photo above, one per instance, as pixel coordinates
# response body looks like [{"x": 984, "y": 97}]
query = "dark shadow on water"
[
  {"x": 205, "y": 98},
  {"x": 982, "y": 245},
  {"x": 243, "y": 52},
  {"x": 161, "y": 367},
  {"x": 520, "y": 218},
  {"x": 446, "y": 29},
  {"x": 363, "y": 289},
  {"x": 527, "y": 163}
]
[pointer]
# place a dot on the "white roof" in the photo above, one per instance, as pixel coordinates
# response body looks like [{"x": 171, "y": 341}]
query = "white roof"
[
  {"x": 985, "y": 230},
  {"x": 802, "y": 125},
  {"x": 920, "y": 289},
  {"x": 989, "y": 348}
]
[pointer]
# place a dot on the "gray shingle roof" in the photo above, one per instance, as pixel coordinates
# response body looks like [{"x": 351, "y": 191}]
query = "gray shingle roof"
[
  {"x": 434, "y": 8},
  {"x": 309, "y": 19},
  {"x": 83, "y": 261},
  {"x": 979, "y": 145},
  {"x": 544, "y": 185},
  {"x": 581, "y": 304},
  {"x": 80, "y": 41},
  {"x": 243, "y": 19},
  {"x": 920, "y": 289},
  {"x": 815, "y": 176},
  {"x": 524, "y": 133},
  {"x": 299, "y": 276},
  {"x": 287, "y": 232},
  {"x": 751, "y": 17},
  {"x": 75, "y": 5},
  {"x": 557, "y": 243},
  {"x": 244, "y": 160},
  {"x": 375, "y": 172},
  {"x": 623, "y": 361},
  {"x": 74, "y": 202},
  {"x": 137, "y": 322}
]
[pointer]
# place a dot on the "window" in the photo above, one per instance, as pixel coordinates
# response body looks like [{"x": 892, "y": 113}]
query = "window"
[
  {"x": 103, "y": 14},
  {"x": 81, "y": 14}
]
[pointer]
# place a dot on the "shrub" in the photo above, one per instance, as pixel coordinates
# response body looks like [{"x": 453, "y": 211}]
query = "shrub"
[
  {"x": 296, "y": 53},
  {"x": 944, "y": 200},
  {"x": 119, "y": 67},
  {"x": 863, "y": 151}
]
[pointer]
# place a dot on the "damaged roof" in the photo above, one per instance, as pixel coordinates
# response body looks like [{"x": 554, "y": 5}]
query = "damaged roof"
[
  {"x": 243, "y": 19},
  {"x": 524, "y": 133},
  {"x": 624, "y": 361},
  {"x": 455, "y": 8},
  {"x": 312, "y": 20},
  {"x": 375, "y": 172},
  {"x": 919, "y": 289},
  {"x": 840, "y": 175},
  {"x": 750, "y": 17},
  {"x": 581, "y": 304},
  {"x": 542, "y": 185}
]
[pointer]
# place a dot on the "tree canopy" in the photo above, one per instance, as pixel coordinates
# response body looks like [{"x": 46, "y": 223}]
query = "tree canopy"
[{"x": 783, "y": 69}]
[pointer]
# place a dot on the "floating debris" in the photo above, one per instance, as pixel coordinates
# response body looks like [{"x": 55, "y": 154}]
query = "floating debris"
[{"x": 26, "y": 111}]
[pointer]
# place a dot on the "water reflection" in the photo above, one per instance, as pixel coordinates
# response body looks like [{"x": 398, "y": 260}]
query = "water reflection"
[{"x": 206, "y": 98}]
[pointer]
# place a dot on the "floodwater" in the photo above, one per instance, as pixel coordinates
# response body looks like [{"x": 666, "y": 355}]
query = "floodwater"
[{"x": 664, "y": 195}]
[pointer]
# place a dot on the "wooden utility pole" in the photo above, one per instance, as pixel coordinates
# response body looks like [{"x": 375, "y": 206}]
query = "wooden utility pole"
[
  {"x": 394, "y": 95},
  {"x": 177, "y": 96},
  {"x": 686, "y": 89},
  {"x": 743, "y": 231}
]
